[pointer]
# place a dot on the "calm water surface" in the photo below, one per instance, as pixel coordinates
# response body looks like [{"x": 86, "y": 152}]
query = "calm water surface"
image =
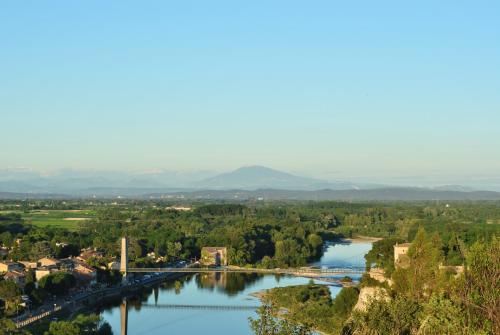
[{"x": 145, "y": 315}]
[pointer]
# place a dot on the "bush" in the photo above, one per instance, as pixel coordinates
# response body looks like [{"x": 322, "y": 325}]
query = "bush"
[{"x": 57, "y": 283}]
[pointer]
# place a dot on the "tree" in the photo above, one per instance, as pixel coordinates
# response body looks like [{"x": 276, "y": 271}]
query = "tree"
[
  {"x": 10, "y": 292},
  {"x": 82, "y": 324},
  {"x": 479, "y": 288},
  {"x": 57, "y": 283},
  {"x": 63, "y": 328},
  {"x": 40, "y": 249},
  {"x": 267, "y": 324},
  {"x": 441, "y": 316},
  {"x": 7, "y": 327},
  {"x": 422, "y": 275},
  {"x": 67, "y": 251},
  {"x": 288, "y": 253},
  {"x": 345, "y": 301},
  {"x": 382, "y": 255},
  {"x": 316, "y": 243},
  {"x": 174, "y": 249},
  {"x": 392, "y": 317}
]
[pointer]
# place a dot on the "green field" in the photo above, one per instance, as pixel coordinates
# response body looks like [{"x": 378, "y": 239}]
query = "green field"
[{"x": 67, "y": 219}]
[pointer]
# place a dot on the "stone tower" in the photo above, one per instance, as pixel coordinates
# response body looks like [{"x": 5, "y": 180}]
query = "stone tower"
[
  {"x": 123, "y": 318},
  {"x": 124, "y": 257}
]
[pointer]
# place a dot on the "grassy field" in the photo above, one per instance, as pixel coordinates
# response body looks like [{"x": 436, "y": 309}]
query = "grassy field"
[{"x": 68, "y": 219}]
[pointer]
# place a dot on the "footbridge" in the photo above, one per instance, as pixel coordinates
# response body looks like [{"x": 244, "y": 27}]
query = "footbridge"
[
  {"x": 201, "y": 307},
  {"x": 306, "y": 272}
]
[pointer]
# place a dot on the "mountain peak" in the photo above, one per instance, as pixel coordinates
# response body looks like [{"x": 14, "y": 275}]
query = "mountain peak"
[
  {"x": 258, "y": 170},
  {"x": 261, "y": 177}
]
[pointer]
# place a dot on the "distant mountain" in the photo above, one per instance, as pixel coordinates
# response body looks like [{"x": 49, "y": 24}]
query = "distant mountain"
[
  {"x": 76, "y": 182},
  {"x": 256, "y": 177},
  {"x": 252, "y": 182}
]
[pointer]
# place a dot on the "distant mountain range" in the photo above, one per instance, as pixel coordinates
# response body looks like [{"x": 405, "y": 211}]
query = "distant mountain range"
[{"x": 253, "y": 182}]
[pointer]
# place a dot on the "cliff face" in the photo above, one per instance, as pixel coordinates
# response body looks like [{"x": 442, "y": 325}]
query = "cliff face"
[{"x": 368, "y": 294}]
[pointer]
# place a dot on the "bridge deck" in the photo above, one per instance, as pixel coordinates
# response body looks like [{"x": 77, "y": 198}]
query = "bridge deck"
[
  {"x": 205, "y": 307},
  {"x": 293, "y": 271}
]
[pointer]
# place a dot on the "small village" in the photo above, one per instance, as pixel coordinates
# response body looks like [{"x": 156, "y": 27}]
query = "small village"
[{"x": 82, "y": 275}]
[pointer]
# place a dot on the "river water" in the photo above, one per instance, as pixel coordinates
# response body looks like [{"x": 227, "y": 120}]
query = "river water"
[{"x": 154, "y": 314}]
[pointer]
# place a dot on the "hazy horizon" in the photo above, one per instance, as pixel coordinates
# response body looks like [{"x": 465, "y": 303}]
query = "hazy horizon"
[
  {"x": 385, "y": 92},
  {"x": 186, "y": 178}
]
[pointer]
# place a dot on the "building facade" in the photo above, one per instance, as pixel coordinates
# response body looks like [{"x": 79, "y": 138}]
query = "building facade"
[
  {"x": 213, "y": 256},
  {"x": 400, "y": 253}
]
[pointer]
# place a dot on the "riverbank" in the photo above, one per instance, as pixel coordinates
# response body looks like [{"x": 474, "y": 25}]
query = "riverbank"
[
  {"x": 224, "y": 288},
  {"x": 91, "y": 299},
  {"x": 357, "y": 239}
]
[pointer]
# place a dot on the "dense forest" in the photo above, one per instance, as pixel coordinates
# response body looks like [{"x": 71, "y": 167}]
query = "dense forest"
[
  {"x": 290, "y": 234},
  {"x": 423, "y": 297},
  {"x": 270, "y": 234}
]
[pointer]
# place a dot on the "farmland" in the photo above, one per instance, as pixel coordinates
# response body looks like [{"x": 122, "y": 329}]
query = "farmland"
[{"x": 67, "y": 219}]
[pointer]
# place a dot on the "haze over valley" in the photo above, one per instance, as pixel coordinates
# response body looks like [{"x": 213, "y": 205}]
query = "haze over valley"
[{"x": 246, "y": 182}]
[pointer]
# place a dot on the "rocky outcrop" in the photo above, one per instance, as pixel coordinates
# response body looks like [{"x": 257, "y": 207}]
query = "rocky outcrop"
[{"x": 368, "y": 294}]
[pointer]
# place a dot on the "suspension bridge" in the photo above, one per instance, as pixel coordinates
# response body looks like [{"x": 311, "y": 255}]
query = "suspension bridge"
[
  {"x": 306, "y": 272},
  {"x": 193, "y": 268},
  {"x": 201, "y": 307}
]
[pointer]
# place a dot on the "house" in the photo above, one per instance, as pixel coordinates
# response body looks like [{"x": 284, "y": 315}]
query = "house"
[
  {"x": 16, "y": 276},
  {"x": 29, "y": 264},
  {"x": 213, "y": 256},
  {"x": 48, "y": 261},
  {"x": 41, "y": 272},
  {"x": 6, "y": 266},
  {"x": 84, "y": 272},
  {"x": 66, "y": 264},
  {"x": 87, "y": 254},
  {"x": 400, "y": 253}
]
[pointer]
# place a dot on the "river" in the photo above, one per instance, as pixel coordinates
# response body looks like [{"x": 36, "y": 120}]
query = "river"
[{"x": 153, "y": 313}]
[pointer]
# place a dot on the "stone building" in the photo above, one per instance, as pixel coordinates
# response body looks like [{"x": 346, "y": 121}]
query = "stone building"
[
  {"x": 41, "y": 272},
  {"x": 6, "y": 266},
  {"x": 400, "y": 253},
  {"x": 48, "y": 261},
  {"x": 84, "y": 272},
  {"x": 213, "y": 256}
]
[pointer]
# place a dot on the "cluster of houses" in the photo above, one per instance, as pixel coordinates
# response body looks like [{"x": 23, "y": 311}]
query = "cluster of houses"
[{"x": 84, "y": 273}]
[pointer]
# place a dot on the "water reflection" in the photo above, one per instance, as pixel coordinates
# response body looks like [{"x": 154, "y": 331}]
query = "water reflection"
[
  {"x": 124, "y": 317},
  {"x": 228, "y": 283},
  {"x": 214, "y": 289},
  {"x": 145, "y": 312}
]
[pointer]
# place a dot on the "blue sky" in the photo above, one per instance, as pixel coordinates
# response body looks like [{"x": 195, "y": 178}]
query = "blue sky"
[{"x": 335, "y": 89}]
